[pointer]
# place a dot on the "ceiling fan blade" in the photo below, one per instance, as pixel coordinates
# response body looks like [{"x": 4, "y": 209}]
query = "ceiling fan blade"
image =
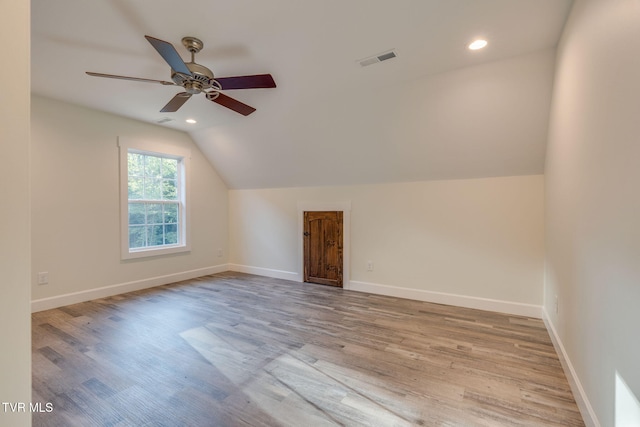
[
  {"x": 257, "y": 81},
  {"x": 233, "y": 104},
  {"x": 169, "y": 53},
  {"x": 176, "y": 102},
  {"x": 135, "y": 79}
]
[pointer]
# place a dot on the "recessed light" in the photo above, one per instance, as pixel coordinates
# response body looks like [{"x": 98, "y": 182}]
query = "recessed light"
[
  {"x": 477, "y": 44},
  {"x": 191, "y": 121}
]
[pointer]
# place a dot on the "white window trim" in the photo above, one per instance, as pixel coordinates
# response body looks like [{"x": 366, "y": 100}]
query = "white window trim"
[{"x": 162, "y": 149}]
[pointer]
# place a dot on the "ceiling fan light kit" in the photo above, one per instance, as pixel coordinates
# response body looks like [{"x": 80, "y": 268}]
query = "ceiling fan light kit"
[{"x": 196, "y": 78}]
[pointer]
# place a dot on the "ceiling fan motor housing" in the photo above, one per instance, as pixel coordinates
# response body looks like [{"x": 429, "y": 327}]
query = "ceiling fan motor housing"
[{"x": 201, "y": 78}]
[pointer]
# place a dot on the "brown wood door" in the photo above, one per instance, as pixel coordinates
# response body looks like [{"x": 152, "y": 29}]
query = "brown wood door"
[{"x": 323, "y": 248}]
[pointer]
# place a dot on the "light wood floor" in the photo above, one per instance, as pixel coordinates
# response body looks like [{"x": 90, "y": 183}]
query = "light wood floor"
[{"x": 240, "y": 350}]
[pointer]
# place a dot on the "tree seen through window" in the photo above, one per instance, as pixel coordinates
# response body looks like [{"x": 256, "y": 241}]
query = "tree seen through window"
[{"x": 154, "y": 200}]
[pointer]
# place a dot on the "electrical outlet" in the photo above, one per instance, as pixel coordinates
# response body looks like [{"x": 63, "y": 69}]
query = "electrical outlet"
[
  {"x": 219, "y": 252},
  {"x": 369, "y": 265},
  {"x": 43, "y": 278},
  {"x": 557, "y": 306}
]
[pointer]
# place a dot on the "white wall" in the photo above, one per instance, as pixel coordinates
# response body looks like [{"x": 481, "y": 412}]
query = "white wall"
[
  {"x": 480, "y": 240},
  {"x": 75, "y": 214},
  {"x": 15, "y": 319},
  {"x": 593, "y": 202}
]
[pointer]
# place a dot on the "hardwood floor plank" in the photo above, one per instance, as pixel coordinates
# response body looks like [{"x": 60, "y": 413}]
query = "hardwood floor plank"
[{"x": 233, "y": 349}]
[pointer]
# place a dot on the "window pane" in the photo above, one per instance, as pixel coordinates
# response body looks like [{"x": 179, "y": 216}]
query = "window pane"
[
  {"x": 136, "y": 236},
  {"x": 135, "y": 165},
  {"x": 135, "y": 188},
  {"x": 171, "y": 234},
  {"x": 171, "y": 213},
  {"x": 136, "y": 213},
  {"x": 154, "y": 213},
  {"x": 169, "y": 190},
  {"x": 170, "y": 168},
  {"x": 153, "y": 167},
  {"x": 155, "y": 235},
  {"x": 152, "y": 188}
]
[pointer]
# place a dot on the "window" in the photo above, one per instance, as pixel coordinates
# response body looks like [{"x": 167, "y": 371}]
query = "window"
[{"x": 153, "y": 200}]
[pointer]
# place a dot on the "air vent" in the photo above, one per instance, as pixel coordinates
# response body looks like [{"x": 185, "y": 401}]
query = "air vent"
[
  {"x": 378, "y": 58},
  {"x": 164, "y": 120}
]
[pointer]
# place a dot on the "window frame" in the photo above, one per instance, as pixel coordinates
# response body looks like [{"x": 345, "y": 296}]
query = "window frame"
[{"x": 153, "y": 148}]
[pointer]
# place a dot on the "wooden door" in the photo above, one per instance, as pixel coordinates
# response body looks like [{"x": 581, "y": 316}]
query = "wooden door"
[{"x": 323, "y": 248}]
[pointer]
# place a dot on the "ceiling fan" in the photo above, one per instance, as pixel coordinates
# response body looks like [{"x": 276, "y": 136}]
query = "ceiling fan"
[{"x": 196, "y": 78}]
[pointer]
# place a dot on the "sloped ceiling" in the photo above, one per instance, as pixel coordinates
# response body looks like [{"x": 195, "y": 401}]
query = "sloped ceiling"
[{"x": 437, "y": 111}]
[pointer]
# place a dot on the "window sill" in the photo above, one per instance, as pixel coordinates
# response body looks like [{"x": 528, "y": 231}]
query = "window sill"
[{"x": 153, "y": 252}]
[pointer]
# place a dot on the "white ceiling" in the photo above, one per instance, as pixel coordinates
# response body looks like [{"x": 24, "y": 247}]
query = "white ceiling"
[{"x": 436, "y": 111}]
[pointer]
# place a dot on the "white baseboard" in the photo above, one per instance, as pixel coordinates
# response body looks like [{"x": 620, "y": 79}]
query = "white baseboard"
[
  {"x": 121, "y": 288},
  {"x": 588, "y": 414},
  {"x": 508, "y": 307},
  {"x": 267, "y": 272}
]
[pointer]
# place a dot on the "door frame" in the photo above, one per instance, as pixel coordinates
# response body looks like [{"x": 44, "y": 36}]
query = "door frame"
[{"x": 345, "y": 208}]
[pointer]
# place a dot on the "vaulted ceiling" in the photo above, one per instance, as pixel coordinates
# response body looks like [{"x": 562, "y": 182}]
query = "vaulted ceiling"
[{"x": 436, "y": 111}]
